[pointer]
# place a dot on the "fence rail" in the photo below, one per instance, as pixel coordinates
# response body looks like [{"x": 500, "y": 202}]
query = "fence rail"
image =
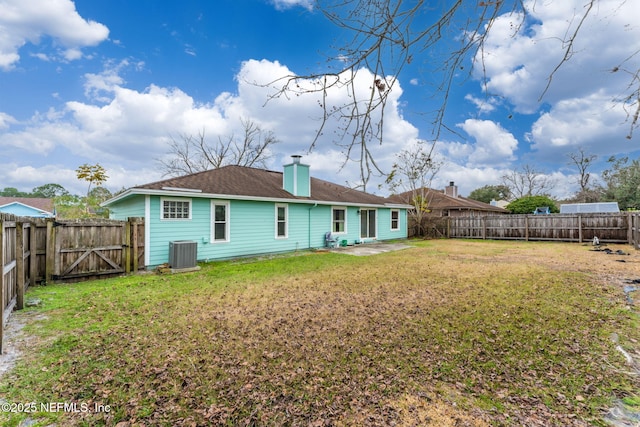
[
  {"x": 612, "y": 228},
  {"x": 44, "y": 250}
]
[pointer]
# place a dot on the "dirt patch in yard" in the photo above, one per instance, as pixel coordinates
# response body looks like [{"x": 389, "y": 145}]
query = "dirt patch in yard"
[{"x": 16, "y": 343}]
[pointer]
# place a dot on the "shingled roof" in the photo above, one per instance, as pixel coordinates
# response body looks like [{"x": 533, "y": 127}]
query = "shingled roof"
[
  {"x": 438, "y": 201},
  {"x": 249, "y": 182}
]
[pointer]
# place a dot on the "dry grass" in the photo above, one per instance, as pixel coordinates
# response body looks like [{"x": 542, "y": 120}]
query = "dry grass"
[{"x": 447, "y": 333}]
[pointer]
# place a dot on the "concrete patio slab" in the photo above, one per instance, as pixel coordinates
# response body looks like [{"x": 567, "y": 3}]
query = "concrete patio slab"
[{"x": 366, "y": 249}]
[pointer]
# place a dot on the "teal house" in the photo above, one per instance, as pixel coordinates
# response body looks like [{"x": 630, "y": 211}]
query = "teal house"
[
  {"x": 237, "y": 211},
  {"x": 34, "y": 207}
]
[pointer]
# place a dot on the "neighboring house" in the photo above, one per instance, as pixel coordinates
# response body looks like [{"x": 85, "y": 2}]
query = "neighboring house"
[
  {"x": 500, "y": 203},
  {"x": 239, "y": 211},
  {"x": 438, "y": 205},
  {"x": 447, "y": 202},
  {"x": 35, "y": 207}
]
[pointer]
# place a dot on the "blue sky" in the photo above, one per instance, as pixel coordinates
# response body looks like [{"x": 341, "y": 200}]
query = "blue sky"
[{"x": 112, "y": 81}]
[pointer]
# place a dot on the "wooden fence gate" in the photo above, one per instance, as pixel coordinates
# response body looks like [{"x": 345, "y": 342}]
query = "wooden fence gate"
[
  {"x": 37, "y": 250},
  {"x": 90, "y": 248}
]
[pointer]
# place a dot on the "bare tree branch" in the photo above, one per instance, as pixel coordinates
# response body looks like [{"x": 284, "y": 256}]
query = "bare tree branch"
[
  {"x": 385, "y": 36},
  {"x": 583, "y": 162},
  {"x": 194, "y": 154},
  {"x": 413, "y": 173},
  {"x": 526, "y": 181}
]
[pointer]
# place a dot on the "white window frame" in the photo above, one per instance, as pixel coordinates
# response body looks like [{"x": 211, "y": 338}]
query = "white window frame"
[
  {"x": 163, "y": 200},
  {"x": 341, "y": 208},
  {"x": 397, "y": 212},
  {"x": 227, "y": 221},
  {"x": 286, "y": 220}
]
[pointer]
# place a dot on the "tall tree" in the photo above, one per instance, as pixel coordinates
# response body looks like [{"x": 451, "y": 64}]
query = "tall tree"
[
  {"x": 383, "y": 36},
  {"x": 192, "y": 154},
  {"x": 49, "y": 191},
  {"x": 526, "y": 181},
  {"x": 13, "y": 192},
  {"x": 623, "y": 182},
  {"x": 528, "y": 204},
  {"x": 93, "y": 174},
  {"x": 582, "y": 162},
  {"x": 490, "y": 192},
  {"x": 588, "y": 192},
  {"x": 413, "y": 173}
]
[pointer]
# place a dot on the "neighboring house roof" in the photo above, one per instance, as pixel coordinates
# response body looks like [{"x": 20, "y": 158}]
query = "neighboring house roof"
[
  {"x": 27, "y": 206},
  {"x": 438, "y": 201},
  {"x": 251, "y": 183}
]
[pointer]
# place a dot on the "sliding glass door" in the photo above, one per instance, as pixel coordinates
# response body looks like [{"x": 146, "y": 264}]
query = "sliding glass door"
[{"x": 367, "y": 223}]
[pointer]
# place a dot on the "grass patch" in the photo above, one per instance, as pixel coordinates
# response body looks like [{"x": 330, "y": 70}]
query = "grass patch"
[{"x": 477, "y": 333}]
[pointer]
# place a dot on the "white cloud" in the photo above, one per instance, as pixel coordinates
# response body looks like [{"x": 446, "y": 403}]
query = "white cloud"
[
  {"x": 484, "y": 106},
  {"x": 518, "y": 66},
  {"x": 288, "y": 4},
  {"x": 24, "y": 22},
  {"x": 6, "y": 120},
  {"x": 129, "y": 130},
  {"x": 494, "y": 146},
  {"x": 37, "y": 176},
  {"x": 467, "y": 178},
  {"x": 592, "y": 122}
]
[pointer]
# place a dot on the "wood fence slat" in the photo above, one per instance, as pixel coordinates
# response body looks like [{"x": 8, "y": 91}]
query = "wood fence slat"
[
  {"x": 2, "y": 222},
  {"x": 50, "y": 254},
  {"x": 134, "y": 244},
  {"x": 20, "y": 279}
]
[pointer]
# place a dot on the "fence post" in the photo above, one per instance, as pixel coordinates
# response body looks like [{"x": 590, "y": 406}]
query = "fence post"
[
  {"x": 33, "y": 254},
  {"x": 19, "y": 265},
  {"x": 526, "y": 228},
  {"x": 580, "y": 228},
  {"x": 484, "y": 227},
  {"x": 50, "y": 251},
  {"x": 126, "y": 259},
  {"x": 134, "y": 243}
]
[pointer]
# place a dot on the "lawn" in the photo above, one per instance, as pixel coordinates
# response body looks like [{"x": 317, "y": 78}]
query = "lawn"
[{"x": 449, "y": 332}]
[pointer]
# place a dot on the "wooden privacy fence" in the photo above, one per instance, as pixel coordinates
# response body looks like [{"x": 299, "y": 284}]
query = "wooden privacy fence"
[
  {"x": 610, "y": 227},
  {"x": 45, "y": 250},
  {"x": 635, "y": 229}
]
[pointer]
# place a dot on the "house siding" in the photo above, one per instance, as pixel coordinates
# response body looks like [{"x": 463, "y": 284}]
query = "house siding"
[
  {"x": 129, "y": 208},
  {"x": 252, "y": 227},
  {"x": 384, "y": 225}
]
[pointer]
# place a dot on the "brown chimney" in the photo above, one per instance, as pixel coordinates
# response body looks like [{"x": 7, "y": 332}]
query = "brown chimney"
[{"x": 451, "y": 190}]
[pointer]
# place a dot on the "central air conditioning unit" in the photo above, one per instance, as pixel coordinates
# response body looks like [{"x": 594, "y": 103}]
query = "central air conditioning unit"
[{"x": 183, "y": 254}]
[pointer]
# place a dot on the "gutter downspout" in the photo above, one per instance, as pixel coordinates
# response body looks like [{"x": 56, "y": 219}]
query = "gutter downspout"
[{"x": 309, "y": 224}]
